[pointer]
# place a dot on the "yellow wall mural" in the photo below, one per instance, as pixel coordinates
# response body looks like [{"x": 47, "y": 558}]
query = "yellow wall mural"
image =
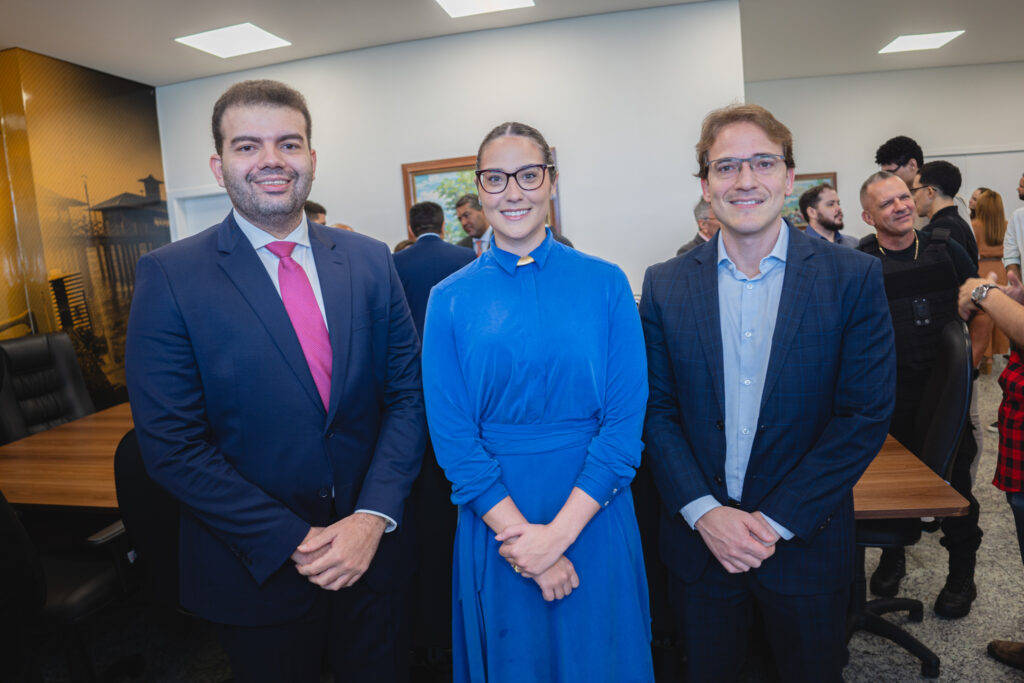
[{"x": 80, "y": 201}]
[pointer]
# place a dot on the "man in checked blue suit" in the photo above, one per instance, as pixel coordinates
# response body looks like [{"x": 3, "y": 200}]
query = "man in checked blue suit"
[
  {"x": 772, "y": 373},
  {"x": 273, "y": 370}
]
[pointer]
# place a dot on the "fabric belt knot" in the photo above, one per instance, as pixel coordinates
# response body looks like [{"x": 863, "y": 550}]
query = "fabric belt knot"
[{"x": 304, "y": 312}]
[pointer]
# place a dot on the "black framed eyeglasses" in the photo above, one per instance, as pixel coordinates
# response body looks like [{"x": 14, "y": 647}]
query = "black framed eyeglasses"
[
  {"x": 761, "y": 164},
  {"x": 919, "y": 187},
  {"x": 493, "y": 181}
]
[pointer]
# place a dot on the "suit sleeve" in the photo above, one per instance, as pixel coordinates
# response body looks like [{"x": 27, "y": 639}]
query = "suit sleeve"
[
  {"x": 614, "y": 453},
  {"x": 676, "y": 473},
  {"x": 402, "y": 437},
  {"x": 475, "y": 475},
  {"x": 862, "y": 405},
  {"x": 169, "y": 409}
]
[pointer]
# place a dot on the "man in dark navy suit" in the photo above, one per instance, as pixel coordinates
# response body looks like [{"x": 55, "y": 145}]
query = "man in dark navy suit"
[
  {"x": 429, "y": 260},
  {"x": 420, "y": 267},
  {"x": 273, "y": 369},
  {"x": 771, "y": 368}
]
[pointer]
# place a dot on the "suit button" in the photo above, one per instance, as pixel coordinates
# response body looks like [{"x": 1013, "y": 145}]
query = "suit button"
[
  {"x": 763, "y": 427},
  {"x": 330, "y": 433},
  {"x": 719, "y": 425},
  {"x": 324, "y": 492},
  {"x": 718, "y": 480}
]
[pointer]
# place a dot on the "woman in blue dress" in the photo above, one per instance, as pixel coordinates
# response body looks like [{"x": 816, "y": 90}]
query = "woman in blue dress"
[{"x": 535, "y": 379}]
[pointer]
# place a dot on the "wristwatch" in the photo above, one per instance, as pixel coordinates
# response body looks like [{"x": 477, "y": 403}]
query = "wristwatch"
[{"x": 980, "y": 292}]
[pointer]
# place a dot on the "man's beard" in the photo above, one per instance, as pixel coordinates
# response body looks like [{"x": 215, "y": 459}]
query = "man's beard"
[
  {"x": 279, "y": 211},
  {"x": 830, "y": 225}
]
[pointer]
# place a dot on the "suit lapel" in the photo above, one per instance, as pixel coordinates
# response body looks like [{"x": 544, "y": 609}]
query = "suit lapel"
[
  {"x": 796, "y": 292},
  {"x": 702, "y": 285},
  {"x": 241, "y": 263},
  {"x": 336, "y": 287}
]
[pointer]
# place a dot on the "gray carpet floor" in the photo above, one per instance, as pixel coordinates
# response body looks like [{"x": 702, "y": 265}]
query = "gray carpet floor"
[{"x": 183, "y": 650}]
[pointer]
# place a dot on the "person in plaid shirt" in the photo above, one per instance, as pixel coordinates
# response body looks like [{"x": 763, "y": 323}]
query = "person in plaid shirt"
[{"x": 1003, "y": 304}]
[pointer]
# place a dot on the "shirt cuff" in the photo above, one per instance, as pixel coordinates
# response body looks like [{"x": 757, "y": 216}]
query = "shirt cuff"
[
  {"x": 392, "y": 524},
  {"x": 696, "y": 509},
  {"x": 782, "y": 531},
  {"x": 601, "y": 489}
]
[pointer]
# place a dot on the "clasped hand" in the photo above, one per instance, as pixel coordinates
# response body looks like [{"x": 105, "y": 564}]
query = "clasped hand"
[
  {"x": 534, "y": 548},
  {"x": 739, "y": 540},
  {"x": 337, "y": 556}
]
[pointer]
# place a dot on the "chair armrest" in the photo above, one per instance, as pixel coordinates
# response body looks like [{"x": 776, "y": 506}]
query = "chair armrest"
[{"x": 106, "y": 534}]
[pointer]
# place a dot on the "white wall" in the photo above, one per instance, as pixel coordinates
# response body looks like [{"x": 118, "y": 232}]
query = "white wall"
[
  {"x": 971, "y": 115},
  {"x": 621, "y": 96}
]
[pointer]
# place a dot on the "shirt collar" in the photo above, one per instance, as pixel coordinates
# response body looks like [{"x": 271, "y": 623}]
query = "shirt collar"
[
  {"x": 260, "y": 238},
  {"x": 508, "y": 261},
  {"x": 777, "y": 254},
  {"x": 428, "y": 234}
]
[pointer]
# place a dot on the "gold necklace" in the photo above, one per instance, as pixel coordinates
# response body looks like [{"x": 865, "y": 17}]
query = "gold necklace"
[{"x": 917, "y": 244}]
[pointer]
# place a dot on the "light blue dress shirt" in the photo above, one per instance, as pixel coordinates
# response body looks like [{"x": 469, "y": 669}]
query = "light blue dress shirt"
[
  {"x": 748, "y": 308},
  {"x": 303, "y": 255}
]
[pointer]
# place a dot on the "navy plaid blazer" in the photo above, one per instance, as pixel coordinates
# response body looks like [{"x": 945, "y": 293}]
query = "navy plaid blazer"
[{"x": 824, "y": 414}]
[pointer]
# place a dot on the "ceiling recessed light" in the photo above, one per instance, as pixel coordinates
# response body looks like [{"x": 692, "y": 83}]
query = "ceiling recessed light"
[
  {"x": 231, "y": 41},
  {"x": 920, "y": 41},
  {"x": 465, "y": 8}
]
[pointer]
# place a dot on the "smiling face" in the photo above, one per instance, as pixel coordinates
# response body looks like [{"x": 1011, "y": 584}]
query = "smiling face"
[
  {"x": 889, "y": 208},
  {"x": 517, "y": 216},
  {"x": 266, "y": 167},
  {"x": 747, "y": 204}
]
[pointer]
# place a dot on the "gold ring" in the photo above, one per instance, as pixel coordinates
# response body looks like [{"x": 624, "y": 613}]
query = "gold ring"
[{"x": 515, "y": 568}]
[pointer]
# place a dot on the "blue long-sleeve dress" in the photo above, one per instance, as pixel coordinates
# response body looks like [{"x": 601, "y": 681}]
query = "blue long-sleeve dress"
[{"x": 535, "y": 380}]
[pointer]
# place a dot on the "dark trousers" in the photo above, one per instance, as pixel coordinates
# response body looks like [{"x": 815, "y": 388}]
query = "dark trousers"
[
  {"x": 1016, "y": 501},
  {"x": 960, "y": 535},
  {"x": 806, "y": 633},
  {"x": 361, "y": 634}
]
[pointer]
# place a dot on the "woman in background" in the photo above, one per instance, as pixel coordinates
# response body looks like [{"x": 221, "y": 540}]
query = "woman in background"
[
  {"x": 534, "y": 373},
  {"x": 989, "y": 223}
]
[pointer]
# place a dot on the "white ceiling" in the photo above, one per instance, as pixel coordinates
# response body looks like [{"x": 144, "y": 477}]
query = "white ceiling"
[{"x": 781, "y": 38}]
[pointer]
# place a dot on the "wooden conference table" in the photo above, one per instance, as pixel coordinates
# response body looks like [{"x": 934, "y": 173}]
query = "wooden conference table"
[
  {"x": 69, "y": 466},
  {"x": 73, "y": 465}
]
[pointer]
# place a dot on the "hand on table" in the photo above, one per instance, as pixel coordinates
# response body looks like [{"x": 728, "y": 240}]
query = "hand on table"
[
  {"x": 739, "y": 540},
  {"x": 337, "y": 556},
  {"x": 534, "y": 548}
]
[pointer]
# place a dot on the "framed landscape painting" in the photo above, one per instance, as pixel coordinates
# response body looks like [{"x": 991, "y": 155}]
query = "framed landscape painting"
[{"x": 802, "y": 183}]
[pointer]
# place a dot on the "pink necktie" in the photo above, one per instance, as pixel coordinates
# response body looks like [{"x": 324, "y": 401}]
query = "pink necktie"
[{"x": 306, "y": 317}]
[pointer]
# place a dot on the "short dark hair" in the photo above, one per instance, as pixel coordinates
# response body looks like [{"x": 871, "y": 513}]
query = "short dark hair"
[
  {"x": 426, "y": 217},
  {"x": 811, "y": 197},
  {"x": 899, "y": 150},
  {"x": 255, "y": 93},
  {"x": 943, "y": 176},
  {"x": 718, "y": 119},
  {"x": 311, "y": 207},
  {"x": 469, "y": 198}
]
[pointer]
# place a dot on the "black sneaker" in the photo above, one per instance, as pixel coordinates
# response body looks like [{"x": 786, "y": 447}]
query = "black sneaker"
[
  {"x": 955, "y": 599},
  {"x": 994, "y": 427},
  {"x": 885, "y": 582}
]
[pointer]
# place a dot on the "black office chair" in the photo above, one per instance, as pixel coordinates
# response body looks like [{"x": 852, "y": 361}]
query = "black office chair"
[
  {"x": 150, "y": 517},
  {"x": 43, "y": 378},
  {"x": 941, "y": 419},
  {"x": 50, "y": 593}
]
